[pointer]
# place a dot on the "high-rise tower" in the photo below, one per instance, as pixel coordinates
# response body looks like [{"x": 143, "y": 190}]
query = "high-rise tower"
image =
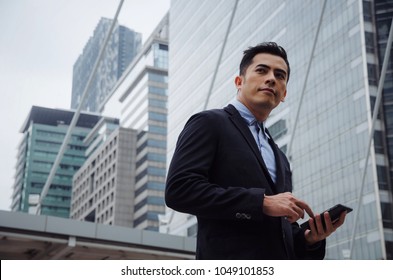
[
  {"x": 123, "y": 179},
  {"x": 123, "y": 46},
  {"x": 43, "y": 134}
]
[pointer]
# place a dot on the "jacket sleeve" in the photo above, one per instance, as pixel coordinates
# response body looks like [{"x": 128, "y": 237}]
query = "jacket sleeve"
[
  {"x": 188, "y": 188},
  {"x": 304, "y": 251}
]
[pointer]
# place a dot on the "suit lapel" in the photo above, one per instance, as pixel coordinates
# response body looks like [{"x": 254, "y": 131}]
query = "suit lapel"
[
  {"x": 240, "y": 124},
  {"x": 238, "y": 121}
]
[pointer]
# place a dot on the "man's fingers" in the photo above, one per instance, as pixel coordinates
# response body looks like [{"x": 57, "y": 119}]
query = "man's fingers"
[
  {"x": 305, "y": 207},
  {"x": 340, "y": 221},
  {"x": 300, "y": 212},
  {"x": 328, "y": 223},
  {"x": 311, "y": 223},
  {"x": 318, "y": 222},
  {"x": 291, "y": 207}
]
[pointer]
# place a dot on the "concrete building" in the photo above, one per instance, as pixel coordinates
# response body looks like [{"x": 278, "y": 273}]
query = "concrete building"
[
  {"x": 43, "y": 133},
  {"x": 103, "y": 188},
  {"x": 123, "y": 46},
  {"x": 327, "y": 142}
]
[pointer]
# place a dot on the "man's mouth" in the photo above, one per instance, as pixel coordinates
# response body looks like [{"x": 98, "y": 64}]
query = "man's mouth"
[{"x": 267, "y": 89}]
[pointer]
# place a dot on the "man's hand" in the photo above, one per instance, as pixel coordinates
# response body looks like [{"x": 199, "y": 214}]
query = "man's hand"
[
  {"x": 317, "y": 232},
  {"x": 285, "y": 205}
]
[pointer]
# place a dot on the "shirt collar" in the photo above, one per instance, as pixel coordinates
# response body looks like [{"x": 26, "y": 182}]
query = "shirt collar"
[
  {"x": 248, "y": 117},
  {"x": 244, "y": 112}
]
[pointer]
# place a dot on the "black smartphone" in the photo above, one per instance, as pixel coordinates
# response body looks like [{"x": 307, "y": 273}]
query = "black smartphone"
[{"x": 334, "y": 213}]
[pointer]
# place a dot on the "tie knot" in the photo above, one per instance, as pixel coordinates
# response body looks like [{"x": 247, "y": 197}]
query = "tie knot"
[{"x": 259, "y": 126}]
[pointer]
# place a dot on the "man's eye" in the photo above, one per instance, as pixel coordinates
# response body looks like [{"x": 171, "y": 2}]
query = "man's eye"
[{"x": 280, "y": 76}]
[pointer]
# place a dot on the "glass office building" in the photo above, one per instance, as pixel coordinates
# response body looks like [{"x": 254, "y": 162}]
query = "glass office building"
[
  {"x": 124, "y": 44},
  {"x": 139, "y": 100},
  {"x": 327, "y": 143},
  {"x": 43, "y": 134}
]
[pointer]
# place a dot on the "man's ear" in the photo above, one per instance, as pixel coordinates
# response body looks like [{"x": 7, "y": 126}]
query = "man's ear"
[
  {"x": 238, "y": 82},
  {"x": 283, "y": 98}
]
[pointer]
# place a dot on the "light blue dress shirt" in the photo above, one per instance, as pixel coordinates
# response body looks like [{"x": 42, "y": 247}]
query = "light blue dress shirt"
[{"x": 261, "y": 138}]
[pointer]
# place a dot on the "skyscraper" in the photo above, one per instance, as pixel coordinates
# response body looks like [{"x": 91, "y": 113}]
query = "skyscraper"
[
  {"x": 139, "y": 100},
  {"x": 381, "y": 14},
  {"x": 333, "y": 101},
  {"x": 123, "y": 46},
  {"x": 43, "y": 134}
]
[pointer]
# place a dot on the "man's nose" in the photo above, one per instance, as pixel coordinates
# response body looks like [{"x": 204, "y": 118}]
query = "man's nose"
[{"x": 270, "y": 78}]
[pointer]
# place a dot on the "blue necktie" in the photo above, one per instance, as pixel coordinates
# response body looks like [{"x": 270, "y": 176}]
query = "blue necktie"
[{"x": 266, "y": 151}]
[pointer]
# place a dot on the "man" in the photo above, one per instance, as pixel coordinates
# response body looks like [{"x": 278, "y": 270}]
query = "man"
[{"x": 227, "y": 171}]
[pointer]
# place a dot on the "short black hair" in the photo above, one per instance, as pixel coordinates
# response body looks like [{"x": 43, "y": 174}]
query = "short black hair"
[{"x": 265, "y": 47}]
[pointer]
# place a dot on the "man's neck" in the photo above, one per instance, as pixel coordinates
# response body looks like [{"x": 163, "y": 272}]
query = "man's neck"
[{"x": 260, "y": 115}]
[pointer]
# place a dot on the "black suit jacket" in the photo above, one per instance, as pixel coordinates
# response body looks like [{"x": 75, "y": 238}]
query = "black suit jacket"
[{"x": 217, "y": 174}]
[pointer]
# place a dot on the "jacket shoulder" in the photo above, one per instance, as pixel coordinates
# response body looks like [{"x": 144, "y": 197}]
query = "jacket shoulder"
[
  {"x": 209, "y": 116},
  {"x": 216, "y": 113}
]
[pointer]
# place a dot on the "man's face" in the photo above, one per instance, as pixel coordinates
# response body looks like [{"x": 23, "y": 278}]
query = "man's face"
[{"x": 264, "y": 84}]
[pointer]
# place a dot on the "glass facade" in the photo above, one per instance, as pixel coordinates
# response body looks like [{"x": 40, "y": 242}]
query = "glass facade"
[
  {"x": 149, "y": 117},
  {"x": 140, "y": 102},
  {"x": 43, "y": 135},
  {"x": 329, "y": 142},
  {"x": 383, "y": 15},
  {"x": 124, "y": 44}
]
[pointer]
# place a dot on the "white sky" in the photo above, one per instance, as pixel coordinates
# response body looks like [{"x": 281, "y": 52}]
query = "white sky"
[{"x": 39, "y": 42}]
